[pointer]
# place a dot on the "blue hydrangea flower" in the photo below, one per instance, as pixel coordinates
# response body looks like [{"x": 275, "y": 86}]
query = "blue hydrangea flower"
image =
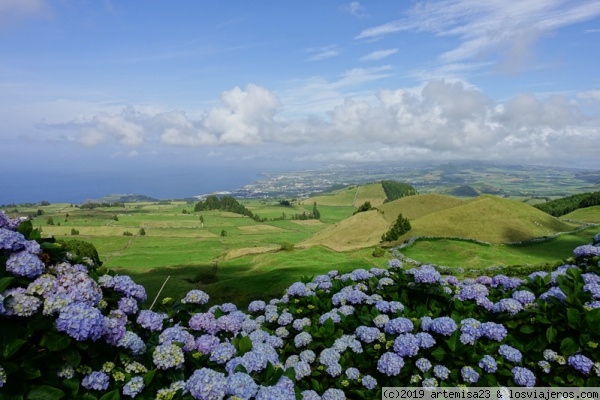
[
  {"x": 151, "y": 320},
  {"x": 390, "y": 364},
  {"x": 367, "y": 334},
  {"x": 352, "y": 373},
  {"x": 398, "y": 325},
  {"x": 125, "y": 285},
  {"x": 441, "y": 372},
  {"x": 128, "y": 305},
  {"x": 369, "y": 382},
  {"x": 426, "y": 341},
  {"x": 523, "y": 377},
  {"x": 81, "y": 322},
  {"x": 300, "y": 323},
  {"x": 310, "y": 395},
  {"x": 510, "y": 306},
  {"x": 586, "y": 250},
  {"x": 581, "y": 363},
  {"x": 510, "y": 353},
  {"x": 204, "y": 322},
  {"x": 444, "y": 326},
  {"x": 423, "y": 364},
  {"x": 134, "y": 386},
  {"x": 425, "y": 274},
  {"x": 241, "y": 385},
  {"x": 222, "y": 353},
  {"x": 256, "y": 306},
  {"x": 96, "y": 380},
  {"x": 25, "y": 264},
  {"x": 469, "y": 375},
  {"x": 493, "y": 331},
  {"x": 207, "y": 384},
  {"x": 406, "y": 345},
  {"x": 10, "y": 240},
  {"x": 177, "y": 334},
  {"x": 488, "y": 364},
  {"x": 132, "y": 342},
  {"x": 394, "y": 263},
  {"x": 555, "y": 292},
  {"x": 18, "y": 302},
  {"x": 524, "y": 297},
  {"x": 302, "y": 339},
  {"x": 195, "y": 296},
  {"x": 333, "y": 394},
  {"x": 168, "y": 356}
]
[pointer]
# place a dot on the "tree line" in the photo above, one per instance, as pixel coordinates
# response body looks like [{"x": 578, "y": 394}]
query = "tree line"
[
  {"x": 395, "y": 190},
  {"x": 565, "y": 205}
]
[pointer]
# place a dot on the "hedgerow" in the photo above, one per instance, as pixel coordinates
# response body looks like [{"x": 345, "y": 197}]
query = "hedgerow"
[{"x": 71, "y": 330}]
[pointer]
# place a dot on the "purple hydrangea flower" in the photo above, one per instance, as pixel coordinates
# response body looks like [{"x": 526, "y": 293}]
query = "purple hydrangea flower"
[
  {"x": 125, "y": 285},
  {"x": 222, "y": 353},
  {"x": 132, "y": 342},
  {"x": 18, "y": 302},
  {"x": 128, "y": 305},
  {"x": 524, "y": 297},
  {"x": 204, "y": 322},
  {"x": 256, "y": 306},
  {"x": 177, "y": 334}
]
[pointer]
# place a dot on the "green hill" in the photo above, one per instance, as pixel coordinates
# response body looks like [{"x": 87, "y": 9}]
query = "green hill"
[
  {"x": 588, "y": 214},
  {"x": 353, "y": 196},
  {"x": 486, "y": 218}
]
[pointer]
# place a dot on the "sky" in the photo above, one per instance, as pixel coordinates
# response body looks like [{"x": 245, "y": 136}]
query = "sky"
[{"x": 107, "y": 96}]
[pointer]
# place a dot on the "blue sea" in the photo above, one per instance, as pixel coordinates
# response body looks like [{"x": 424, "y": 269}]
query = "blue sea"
[{"x": 73, "y": 187}]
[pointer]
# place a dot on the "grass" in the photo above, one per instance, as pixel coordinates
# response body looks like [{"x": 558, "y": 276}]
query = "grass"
[
  {"x": 456, "y": 253},
  {"x": 251, "y": 262}
]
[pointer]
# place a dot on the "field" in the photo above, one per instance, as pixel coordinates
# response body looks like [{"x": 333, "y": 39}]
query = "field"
[{"x": 236, "y": 259}]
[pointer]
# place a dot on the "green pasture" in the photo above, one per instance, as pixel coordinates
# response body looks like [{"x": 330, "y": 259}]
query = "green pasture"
[
  {"x": 463, "y": 254},
  {"x": 244, "y": 279}
]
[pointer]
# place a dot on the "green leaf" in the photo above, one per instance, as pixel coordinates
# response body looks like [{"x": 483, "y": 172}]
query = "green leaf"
[
  {"x": 114, "y": 395},
  {"x": 4, "y": 282},
  {"x": 243, "y": 345},
  {"x": 43, "y": 392},
  {"x": 55, "y": 342},
  {"x": 438, "y": 353},
  {"x": 453, "y": 341},
  {"x": 592, "y": 318},
  {"x": 573, "y": 318},
  {"x": 551, "y": 334},
  {"x": 568, "y": 346},
  {"x": 527, "y": 329},
  {"x": 12, "y": 347}
]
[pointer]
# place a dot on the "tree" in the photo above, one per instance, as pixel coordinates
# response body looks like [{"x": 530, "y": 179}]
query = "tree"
[
  {"x": 400, "y": 227},
  {"x": 315, "y": 213},
  {"x": 142, "y": 232},
  {"x": 50, "y": 221},
  {"x": 223, "y": 233},
  {"x": 365, "y": 207}
]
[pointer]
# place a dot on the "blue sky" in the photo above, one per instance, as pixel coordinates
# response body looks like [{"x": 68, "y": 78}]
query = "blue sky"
[{"x": 137, "y": 87}]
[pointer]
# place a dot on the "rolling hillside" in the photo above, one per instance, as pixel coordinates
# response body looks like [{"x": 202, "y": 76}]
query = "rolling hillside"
[
  {"x": 353, "y": 196},
  {"x": 487, "y": 218}
]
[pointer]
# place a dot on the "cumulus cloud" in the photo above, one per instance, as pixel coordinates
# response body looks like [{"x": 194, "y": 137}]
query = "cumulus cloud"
[
  {"x": 440, "y": 119},
  {"x": 487, "y": 28}
]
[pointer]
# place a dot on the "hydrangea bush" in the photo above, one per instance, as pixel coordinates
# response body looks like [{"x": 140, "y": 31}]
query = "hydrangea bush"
[{"x": 70, "y": 330}]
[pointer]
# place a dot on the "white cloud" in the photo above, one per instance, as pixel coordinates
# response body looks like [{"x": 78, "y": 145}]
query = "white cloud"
[
  {"x": 439, "y": 119},
  {"x": 485, "y": 28},
  {"x": 354, "y": 8},
  {"x": 378, "y": 55},
  {"x": 322, "y": 53}
]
